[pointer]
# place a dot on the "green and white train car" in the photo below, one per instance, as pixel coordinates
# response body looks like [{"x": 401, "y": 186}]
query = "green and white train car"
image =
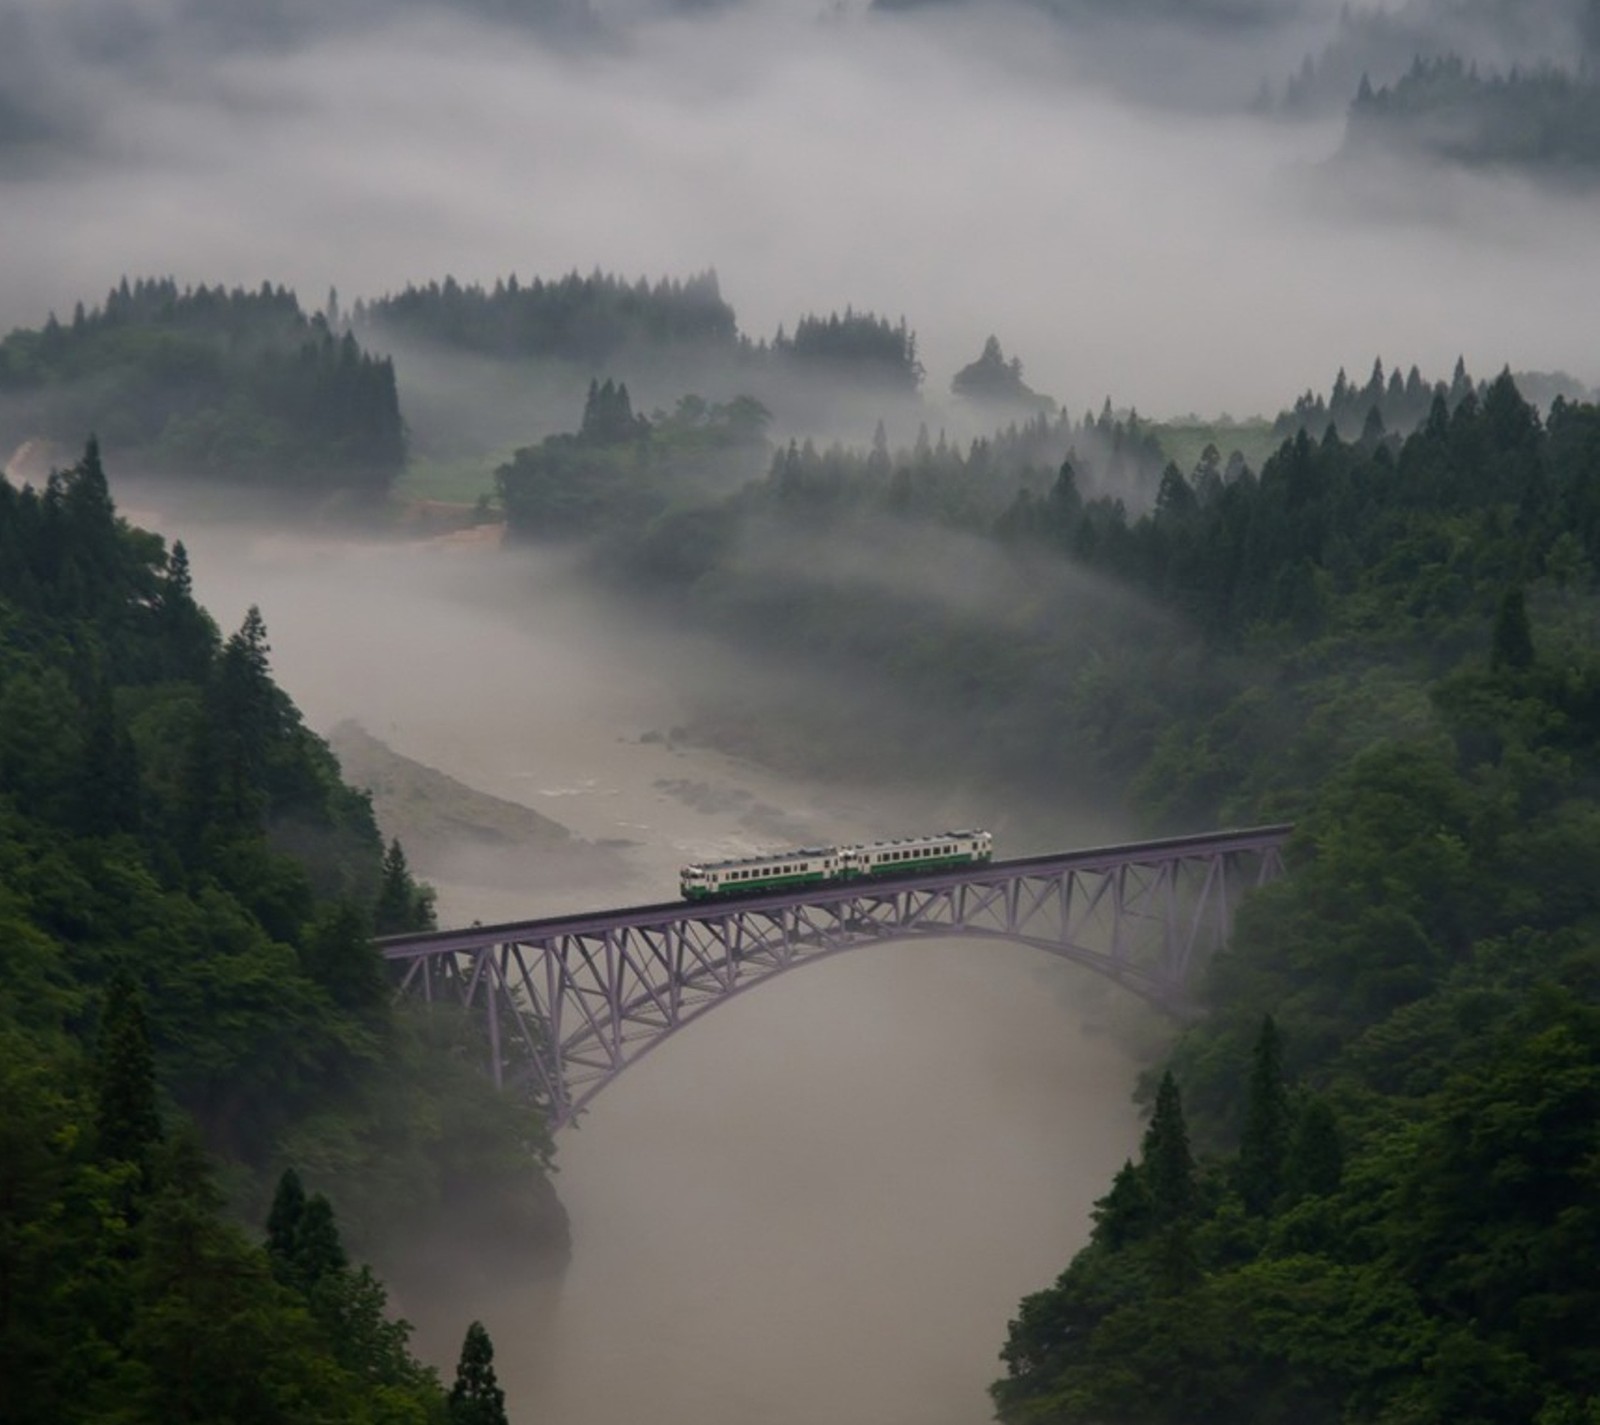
[
  {"x": 829, "y": 865},
  {"x": 945, "y": 851}
]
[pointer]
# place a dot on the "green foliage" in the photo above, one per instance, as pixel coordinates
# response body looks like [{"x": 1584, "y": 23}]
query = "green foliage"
[
  {"x": 1264, "y": 1144},
  {"x": 237, "y": 385},
  {"x": 1166, "y": 1162},
  {"x": 621, "y": 470},
  {"x": 1397, "y": 1091},
  {"x": 994, "y": 379},
  {"x": 588, "y": 320},
  {"x": 867, "y": 348},
  {"x": 138, "y": 1302},
  {"x": 127, "y": 1120},
  {"x": 402, "y": 906},
  {"x": 184, "y": 884},
  {"x": 476, "y": 1397},
  {"x": 1512, "y": 646}
]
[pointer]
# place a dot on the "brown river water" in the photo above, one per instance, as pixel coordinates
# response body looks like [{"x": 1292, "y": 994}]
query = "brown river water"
[{"x": 823, "y": 1202}]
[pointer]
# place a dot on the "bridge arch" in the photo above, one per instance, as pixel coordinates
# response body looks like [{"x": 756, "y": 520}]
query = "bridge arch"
[{"x": 571, "y": 1002}]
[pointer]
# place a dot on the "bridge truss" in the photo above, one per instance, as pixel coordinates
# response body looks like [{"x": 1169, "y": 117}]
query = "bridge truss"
[{"x": 570, "y": 1002}]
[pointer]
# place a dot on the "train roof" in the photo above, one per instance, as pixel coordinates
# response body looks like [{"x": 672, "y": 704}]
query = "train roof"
[
  {"x": 703, "y": 866},
  {"x": 762, "y": 860}
]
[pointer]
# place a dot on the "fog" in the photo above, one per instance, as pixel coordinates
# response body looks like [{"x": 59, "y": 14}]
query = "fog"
[
  {"x": 1089, "y": 197},
  {"x": 824, "y": 1201}
]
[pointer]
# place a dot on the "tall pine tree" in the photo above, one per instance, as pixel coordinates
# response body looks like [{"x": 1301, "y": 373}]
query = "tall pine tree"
[
  {"x": 1265, "y": 1141},
  {"x": 127, "y": 1120},
  {"x": 1167, "y": 1162},
  {"x": 476, "y": 1397}
]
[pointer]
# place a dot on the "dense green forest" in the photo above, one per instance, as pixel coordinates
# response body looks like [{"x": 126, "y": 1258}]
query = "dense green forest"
[
  {"x": 229, "y": 385},
  {"x": 1398, "y": 405},
  {"x": 1368, "y": 1191},
  {"x": 621, "y": 469},
  {"x": 192, "y": 1003},
  {"x": 1368, "y": 1187}
]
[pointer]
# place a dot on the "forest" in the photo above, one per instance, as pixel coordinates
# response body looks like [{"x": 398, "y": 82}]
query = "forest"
[
  {"x": 805, "y": 476},
  {"x": 1367, "y": 1188},
  {"x": 222, "y": 385},
  {"x": 599, "y": 321},
  {"x": 1544, "y": 121},
  {"x": 1366, "y": 1191},
  {"x": 193, "y": 1011}
]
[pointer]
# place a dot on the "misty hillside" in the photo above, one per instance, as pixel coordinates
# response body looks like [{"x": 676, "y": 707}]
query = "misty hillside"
[
  {"x": 1545, "y": 121},
  {"x": 1377, "y": 1148},
  {"x": 1382, "y": 43},
  {"x": 234, "y": 385},
  {"x": 1087, "y": 421},
  {"x": 187, "y": 906}
]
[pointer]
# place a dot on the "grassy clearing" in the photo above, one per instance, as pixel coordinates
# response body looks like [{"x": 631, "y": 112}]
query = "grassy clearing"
[
  {"x": 460, "y": 480},
  {"x": 1184, "y": 440}
]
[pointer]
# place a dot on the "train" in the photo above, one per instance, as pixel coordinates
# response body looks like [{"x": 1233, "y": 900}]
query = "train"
[{"x": 835, "y": 865}]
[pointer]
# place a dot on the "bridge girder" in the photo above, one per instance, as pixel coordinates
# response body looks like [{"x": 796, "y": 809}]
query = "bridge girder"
[{"x": 570, "y": 1002}]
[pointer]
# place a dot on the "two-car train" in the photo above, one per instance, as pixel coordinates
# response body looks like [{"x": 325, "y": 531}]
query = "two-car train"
[{"x": 831, "y": 865}]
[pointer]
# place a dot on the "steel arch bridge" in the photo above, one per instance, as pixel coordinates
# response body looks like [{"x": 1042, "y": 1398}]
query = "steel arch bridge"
[{"x": 569, "y": 1002}]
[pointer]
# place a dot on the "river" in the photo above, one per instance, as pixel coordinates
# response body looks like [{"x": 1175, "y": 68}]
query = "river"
[{"x": 823, "y": 1202}]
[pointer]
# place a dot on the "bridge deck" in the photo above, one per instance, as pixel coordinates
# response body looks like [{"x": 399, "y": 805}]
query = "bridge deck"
[
  {"x": 433, "y": 942},
  {"x": 570, "y": 1001}
]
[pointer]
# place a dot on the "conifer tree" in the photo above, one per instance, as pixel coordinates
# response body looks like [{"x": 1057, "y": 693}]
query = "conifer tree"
[
  {"x": 283, "y": 1224},
  {"x": 1122, "y": 1216},
  {"x": 1315, "y": 1162},
  {"x": 318, "y": 1251},
  {"x": 476, "y": 1397},
  {"x": 1265, "y": 1140},
  {"x": 127, "y": 1121},
  {"x": 401, "y": 905},
  {"x": 109, "y": 797},
  {"x": 338, "y": 954},
  {"x": 1513, "y": 638},
  {"x": 1166, "y": 1160}
]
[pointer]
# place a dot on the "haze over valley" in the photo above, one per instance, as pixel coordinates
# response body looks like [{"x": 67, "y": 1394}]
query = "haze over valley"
[
  {"x": 1100, "y": 195},
  {"x": 466, "y": 460}
]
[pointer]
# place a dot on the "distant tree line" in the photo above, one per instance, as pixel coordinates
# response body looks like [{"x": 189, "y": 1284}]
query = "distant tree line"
[
  {"x": 237, "y": 385},
  {"x": 996, "y": 380},
  {"x": 595, "y": 321},
  {"x": 621, "y": 469},
  {"x": 1545, "y": 119},
  {"x": 1379, "y": 406},
  {"x": 858, "y": 346},
  {"x": 1373, "y": 47},
  {"x": 589, "y": 320}
]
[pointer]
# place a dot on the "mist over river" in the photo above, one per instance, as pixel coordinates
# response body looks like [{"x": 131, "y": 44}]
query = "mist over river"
[{"x": 820, "y": 1204}]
